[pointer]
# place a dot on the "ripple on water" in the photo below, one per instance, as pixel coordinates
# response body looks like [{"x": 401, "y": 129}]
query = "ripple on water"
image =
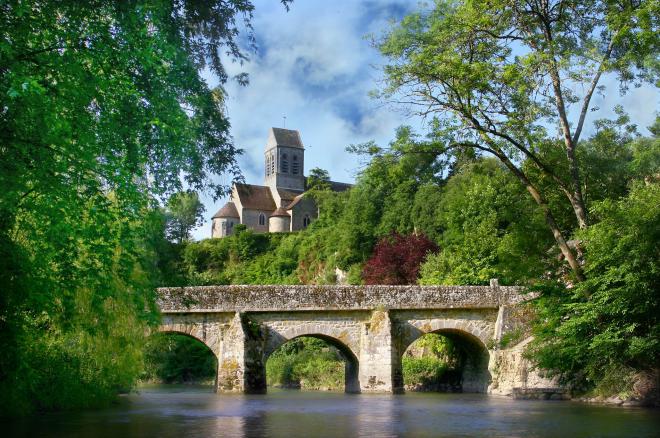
[{"x": 171, "y": 411}]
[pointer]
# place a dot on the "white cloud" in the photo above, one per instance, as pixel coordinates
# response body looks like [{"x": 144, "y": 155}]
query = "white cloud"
[{"x": 314, "y": 66}]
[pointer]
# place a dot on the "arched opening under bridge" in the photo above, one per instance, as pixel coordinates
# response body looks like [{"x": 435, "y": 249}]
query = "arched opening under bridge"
[
  {"x": 177, "y": 357},
  {"x": 447, "y": 360},
  {"x": 313, "y": 362}
]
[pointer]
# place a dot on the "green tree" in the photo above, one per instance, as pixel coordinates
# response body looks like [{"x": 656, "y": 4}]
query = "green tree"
[
  {"x": 176, "y": 358},
  {"x": 103, "y": 110},
  {"x": 601, "y": 342},
  {"x": 496, "y": 74},
  {"x": 490, "y": 229},
  {"x": 184, "y": 211},
  {"x": 383, "y": 197},
  {"x": 318, "y": 179}
]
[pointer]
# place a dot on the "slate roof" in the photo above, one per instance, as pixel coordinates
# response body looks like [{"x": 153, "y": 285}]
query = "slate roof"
[
  {"x": 296, "y": 200},
  {"x": 228, "y": 210},
  {"x": 287, "y": 137},
  {"x": 334, "y": 186},
  {"x": 288, "y": 195},
  {"x": 255, "y": 197},
  {"x": 339, "y": 186}
]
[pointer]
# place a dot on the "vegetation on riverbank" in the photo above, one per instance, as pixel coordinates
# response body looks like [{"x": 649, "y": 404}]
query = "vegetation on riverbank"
[
  {"x": 104, "y": 112},
  {"x": 176, "y": 358},
  {"x": 306, "y": 363},
  {"x": 485, "y": 226}
]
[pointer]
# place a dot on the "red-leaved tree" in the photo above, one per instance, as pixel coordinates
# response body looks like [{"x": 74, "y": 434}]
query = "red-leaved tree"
[{"x": 396, "y": 259}]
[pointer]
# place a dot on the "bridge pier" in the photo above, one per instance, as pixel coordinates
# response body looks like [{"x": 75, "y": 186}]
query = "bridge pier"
[
  {"x": 240, "y": 363},
  {"x": 380, "y": 368}
]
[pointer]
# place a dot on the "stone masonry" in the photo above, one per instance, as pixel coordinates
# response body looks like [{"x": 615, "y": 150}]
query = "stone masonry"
[{"x": 370, "y": 325}]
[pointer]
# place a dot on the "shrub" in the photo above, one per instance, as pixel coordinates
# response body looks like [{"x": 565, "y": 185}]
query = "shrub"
[
  {"x": 423, "y": 371},
  {"x": 396, "y": 259}
]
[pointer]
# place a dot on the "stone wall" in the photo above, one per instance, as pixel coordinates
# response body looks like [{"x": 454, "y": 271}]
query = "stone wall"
[
  {"x": 251, "y": 219},
  {"x": 279, "y": 224},
  {"x": 223, "y": 227},
  {"x": 514, "y": 376},
  {"x": 305, "y": 207}
]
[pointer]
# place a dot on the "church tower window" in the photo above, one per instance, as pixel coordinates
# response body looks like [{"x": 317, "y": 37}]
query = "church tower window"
[
  {"x": 285, "y": 164},
  {"x": 295, "y": 166},
  {"x": 306, "y": 221},
  {"x": 272, "y": 164}
]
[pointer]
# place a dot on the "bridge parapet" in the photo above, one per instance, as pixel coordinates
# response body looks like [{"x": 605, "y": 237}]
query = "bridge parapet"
[{"x": 272, "y": 298}]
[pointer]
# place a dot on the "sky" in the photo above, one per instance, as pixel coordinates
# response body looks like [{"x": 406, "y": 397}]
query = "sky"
[{"x": 315, "y": 65}]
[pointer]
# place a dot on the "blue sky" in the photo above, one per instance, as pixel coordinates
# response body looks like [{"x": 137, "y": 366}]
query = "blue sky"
[{"x": 315, "y": 65}]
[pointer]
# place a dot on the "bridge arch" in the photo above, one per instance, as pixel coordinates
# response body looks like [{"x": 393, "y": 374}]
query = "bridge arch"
[
  {"x": 167, "y": 347},
  {"x": 351, "y": 362},
  {"x": 194, "y": 331},
  {"x": 473, "y": 352}
]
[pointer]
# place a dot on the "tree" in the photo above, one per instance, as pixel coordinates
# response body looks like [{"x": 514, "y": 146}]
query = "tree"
[
  {"x": 384, "y": 196},
  {"x": 496, "y": 75},
  {"x": 178, "y": 358},
  {"x": 604, "y": 341},
  {"x": 490, "y": 229},
  {"x": 103, "y": 110},
  {"x": 397, "y": 258},
  {"x": 184, "y": 211},
  {"x": 318, "y": 179}
]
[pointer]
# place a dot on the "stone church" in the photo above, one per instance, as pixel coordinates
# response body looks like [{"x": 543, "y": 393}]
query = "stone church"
[{"x": 280, "y": 205}]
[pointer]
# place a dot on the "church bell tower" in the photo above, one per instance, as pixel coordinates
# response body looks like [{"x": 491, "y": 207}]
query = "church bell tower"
[{"x": 284, "y": 160}]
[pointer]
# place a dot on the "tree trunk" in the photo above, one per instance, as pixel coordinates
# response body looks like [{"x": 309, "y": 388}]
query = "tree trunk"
[
  {"x": 577, "y": 201},
  {"x": 568, "y": 254}
]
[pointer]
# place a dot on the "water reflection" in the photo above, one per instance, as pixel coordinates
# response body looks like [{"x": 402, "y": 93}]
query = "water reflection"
[{"x": 197, "y": 412}]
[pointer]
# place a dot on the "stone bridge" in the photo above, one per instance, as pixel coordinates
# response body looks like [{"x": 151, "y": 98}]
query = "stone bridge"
[{"x": 370, "y": 325}]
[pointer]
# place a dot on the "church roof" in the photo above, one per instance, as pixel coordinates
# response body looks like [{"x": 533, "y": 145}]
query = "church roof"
[
  {"x": 287, "y": 137},
  {"x": 296, "y": 200},
  {"x": 334, "y": 186},
  {"x": 280, "y": 212},
  {"x": 255, "y": 197},
  {"x": 339, "y": 186},
  {"x": 288, "y": 195},
  {"x": 228, "y": 210}
]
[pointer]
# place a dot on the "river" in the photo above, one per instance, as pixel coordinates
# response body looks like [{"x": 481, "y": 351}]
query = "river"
[{"x": 178, "y": 411}]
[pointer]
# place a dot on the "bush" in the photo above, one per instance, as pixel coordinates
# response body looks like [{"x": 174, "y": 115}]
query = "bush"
[
  {"x": 397, "y": 258},
  {"x": 423, "y": 371},
  {"x": 306, "y": 362}
]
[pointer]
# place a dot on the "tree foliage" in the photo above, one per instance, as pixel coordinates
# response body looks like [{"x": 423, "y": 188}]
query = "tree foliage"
[
  {"x": 176, "y": 358},
  {"x": 490, "y": 229},
  {"x": 318, "y": 179},
  {"x": 183, "y": 212},
  {"x": 615, "y": 332},
  {"x": 308, "y": 363},
  {"x": 103, "y": 111},
  {"x": 494, "y": 75},
  {"x": 397, "y": 258}
]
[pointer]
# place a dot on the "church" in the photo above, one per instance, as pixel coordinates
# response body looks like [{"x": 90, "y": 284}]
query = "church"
[{"x": 280, "y": 205}]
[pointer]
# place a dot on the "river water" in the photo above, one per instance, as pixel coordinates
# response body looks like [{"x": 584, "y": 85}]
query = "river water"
[{"x": 170, "y": 411}]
